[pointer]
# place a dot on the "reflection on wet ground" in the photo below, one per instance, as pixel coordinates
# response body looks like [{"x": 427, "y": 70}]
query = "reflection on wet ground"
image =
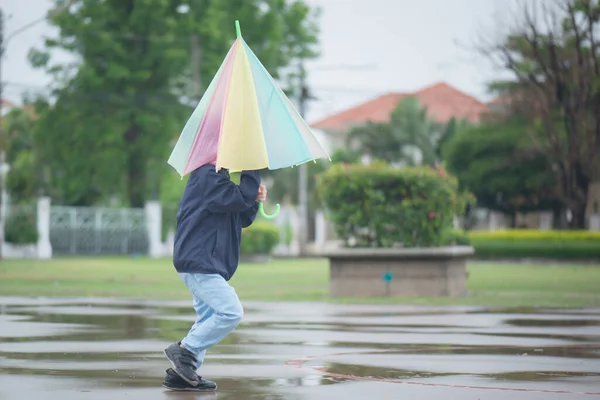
[{"x": 95, "y": 348}]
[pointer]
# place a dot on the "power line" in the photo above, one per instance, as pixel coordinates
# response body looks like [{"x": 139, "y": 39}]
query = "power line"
[
  {"x": 26, "y": 85},
  {"x": 172, "y": 38},
  {"x": 126, "y": 35},
  {"x": 37, "y": 21},
  {"x": 350, "y": 89},
  {"x": 134, "y": 36},
  {"x": 25, "y": 27},
  {"x": 338, "y": 67},
  {"x": 3, "y": 42},
  {"x": 339, "y": 89}
]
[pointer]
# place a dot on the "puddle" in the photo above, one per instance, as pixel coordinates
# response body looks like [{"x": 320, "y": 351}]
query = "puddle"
[
  {"x": 574, "y": 338},
  {"x": 382, "y": 373},
  {"x": 573, "y": 323},
  {"x": 100, "y": 346},
  {"x": 537, "y": 311},
  {"x": 545, "y": 375}
]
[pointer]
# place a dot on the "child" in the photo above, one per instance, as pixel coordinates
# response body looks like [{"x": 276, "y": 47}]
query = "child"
[{"x": 211, "y": 215}]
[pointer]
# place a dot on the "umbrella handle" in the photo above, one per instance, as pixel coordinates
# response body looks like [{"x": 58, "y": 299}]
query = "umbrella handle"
[{"x": 268, "y": 216}]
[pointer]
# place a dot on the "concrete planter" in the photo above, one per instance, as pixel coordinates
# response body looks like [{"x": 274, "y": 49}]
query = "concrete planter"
[
  {"x": 255, "y": 258},
  {"x": 374, "y": 272},
  {"x": 16, "y": 251}
]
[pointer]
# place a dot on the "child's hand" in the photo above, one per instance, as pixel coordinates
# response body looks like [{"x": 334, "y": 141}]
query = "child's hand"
[{"x": 262, "y": 193}]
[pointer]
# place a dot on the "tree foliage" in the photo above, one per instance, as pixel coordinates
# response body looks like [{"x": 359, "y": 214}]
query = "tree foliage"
[
  {"x": 120, "y": 107},
  {"x": 378, "y": 205},
  {"x": 553, "y": 55},
  {"x": 450, "y": 130},
  {"x": 496, "y": 163},
  {"x": 285, "y": 181},
  {"x": 22, "y": 180},
  {"x": 409, "y": 128}
]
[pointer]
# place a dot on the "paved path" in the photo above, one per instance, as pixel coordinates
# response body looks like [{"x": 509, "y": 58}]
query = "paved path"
[{"x": 67, "y": 349}]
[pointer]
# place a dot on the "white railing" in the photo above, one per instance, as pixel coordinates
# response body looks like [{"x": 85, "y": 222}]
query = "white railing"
[
  {"x": 98, "y": 230},
  {"x": 42, "y": 249},
  {"x": 65, "y": 230}
]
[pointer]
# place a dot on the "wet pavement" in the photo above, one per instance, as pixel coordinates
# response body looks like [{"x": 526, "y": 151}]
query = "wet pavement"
[{"x": 112, "y": 349}]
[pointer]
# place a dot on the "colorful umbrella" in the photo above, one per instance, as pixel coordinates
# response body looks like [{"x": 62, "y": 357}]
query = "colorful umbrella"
[{"x": 244, "y": 121}]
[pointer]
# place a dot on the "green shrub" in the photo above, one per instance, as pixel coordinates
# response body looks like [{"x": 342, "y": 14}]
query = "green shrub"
[
  {"x": 378, "y": 205},
  {"x": 288, "y": 234},
  {"x": 529, "y": 243},
  {"x": 456, "y": 237},
  {"x": 259, "y": 238},
  {"x": 21, "y": 228},
  {"x": 169, "y": 219},
  {"x": 534, "y": 234}
]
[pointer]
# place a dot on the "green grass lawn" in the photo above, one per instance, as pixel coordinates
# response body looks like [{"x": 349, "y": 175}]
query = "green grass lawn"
[{"x": 489, "y": 284}]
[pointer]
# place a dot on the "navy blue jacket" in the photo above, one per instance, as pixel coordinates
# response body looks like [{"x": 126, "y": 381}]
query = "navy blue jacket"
[{"x": 211, "y": 215}]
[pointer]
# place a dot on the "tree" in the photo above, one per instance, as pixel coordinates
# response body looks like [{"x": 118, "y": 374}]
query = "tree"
[
  {"x": 120, "y": 107},
  {"x": 22, "y": 181},
  {"x": 285, "y": 181},
  {"x": 449, "y": 133},
  {"x": 409, "y": 128},
  {"x": 80, "y": 150},
  {"x": 285, "y": 184},
  {"x": 555, "y": 66},
  {"x": 346, "y": 156},
  {"x": 495, "y": 161}
]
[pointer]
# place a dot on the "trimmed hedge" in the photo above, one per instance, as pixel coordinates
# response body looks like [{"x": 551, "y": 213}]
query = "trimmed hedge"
[
  {"x": 528, "y": 243},
  {"x": 21, "y": 226},
  {"x": 534, "y": 234},
  {"x": 259, "y": 238},
  {"x": 378, "y": 205},
  {"x": 456, "y": 237}
]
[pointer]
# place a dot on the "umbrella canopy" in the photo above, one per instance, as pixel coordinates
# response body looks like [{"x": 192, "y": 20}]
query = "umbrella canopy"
[{"x": 244, "y": 121}]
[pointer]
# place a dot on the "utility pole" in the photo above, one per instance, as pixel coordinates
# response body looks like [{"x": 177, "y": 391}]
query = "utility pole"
[
  {"x": 304, "y": 97},
  {"x": 1, "y": 136},
  {"x": 303, "y": 169},
  {"x": 3, "y": 42},
  {"x": 196, "y": 54}
]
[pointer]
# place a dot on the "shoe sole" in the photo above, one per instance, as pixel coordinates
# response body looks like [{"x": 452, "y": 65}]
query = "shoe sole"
[
  {"x": 188, "y": 389},
  {"x": 193, "y": 383}
]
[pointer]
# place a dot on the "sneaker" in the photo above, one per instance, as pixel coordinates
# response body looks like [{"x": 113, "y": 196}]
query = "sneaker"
[
  {"x": 184, "y": 363},
  {"x": 175, "y": 382}
]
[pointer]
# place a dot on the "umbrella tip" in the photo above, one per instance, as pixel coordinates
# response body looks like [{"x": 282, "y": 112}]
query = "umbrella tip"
[{"x": 238, "y": 31}]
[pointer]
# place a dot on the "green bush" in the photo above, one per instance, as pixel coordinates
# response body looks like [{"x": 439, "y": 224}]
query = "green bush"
[
  {"x": 21, "y": 228},
  {"x": 529, "y": 243},
  {"x": 259, "y": 238},
  {"x": 288, "y": 234},
  {"x": 169, "y": 219},
  {"x": 456, "y": 237},
  {"x": 535, "y": 234},
  {"x": 378, "y": 205}
]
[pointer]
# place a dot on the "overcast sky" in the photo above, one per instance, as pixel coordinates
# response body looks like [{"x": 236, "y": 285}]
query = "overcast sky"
[{"x": 379, "y": 46}]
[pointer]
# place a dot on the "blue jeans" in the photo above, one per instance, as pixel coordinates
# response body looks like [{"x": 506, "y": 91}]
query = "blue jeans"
[{"x": 218, "y": 309}]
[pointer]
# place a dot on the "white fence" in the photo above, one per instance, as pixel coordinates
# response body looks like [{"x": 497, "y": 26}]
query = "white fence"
[
  {"x": 109, "y": 231},
  {"x": 42, "y": 249},
  {"x": 117, "y": 231},
  {"x": 92, "y": 230}
]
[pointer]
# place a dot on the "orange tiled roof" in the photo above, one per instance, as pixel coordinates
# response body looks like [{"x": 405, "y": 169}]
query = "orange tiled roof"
[
  {"x": 442, "y": 101},
  {"x": 7, "y": 103}
]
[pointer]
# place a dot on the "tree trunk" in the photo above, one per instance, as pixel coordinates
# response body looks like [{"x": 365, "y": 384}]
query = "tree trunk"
[
  {"x": 577, "y": 215},
  {"x": 136, "y": 167},
  {"x": 136, "y": 179},
  {"x": 575, "y": 187},
  {"x": 513, "y": 219}
]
